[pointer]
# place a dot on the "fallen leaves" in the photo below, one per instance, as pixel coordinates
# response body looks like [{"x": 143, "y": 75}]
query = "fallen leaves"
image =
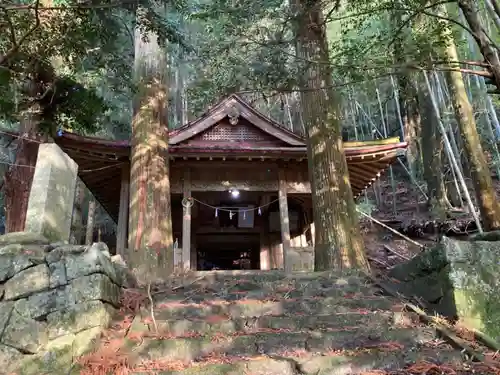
[
  {"x": 132, "y": 299},
  {"x": 214, "y": 319},
  {"x": 108, "y": 359}
]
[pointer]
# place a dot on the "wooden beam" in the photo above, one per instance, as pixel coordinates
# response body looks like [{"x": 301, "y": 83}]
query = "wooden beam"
[
  {"x": 94, "y": 156},
  {"x": 122, "y": 226},
  {"x": 298, "y": 187},
  {"x": 186, "y": 222},
  {"x": 284, "y": 218},
  {"x": 179, "y": 163}
]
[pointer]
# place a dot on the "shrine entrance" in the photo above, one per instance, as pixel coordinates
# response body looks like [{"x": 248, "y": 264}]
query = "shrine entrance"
[
  {"x": 228, "y": 252},
  {"x": 226, "y": 229},
  {"x": 240, "y": 230}
]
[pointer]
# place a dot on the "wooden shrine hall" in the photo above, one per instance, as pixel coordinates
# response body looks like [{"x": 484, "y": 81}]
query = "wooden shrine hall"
[{"x": 248, "y": 177}]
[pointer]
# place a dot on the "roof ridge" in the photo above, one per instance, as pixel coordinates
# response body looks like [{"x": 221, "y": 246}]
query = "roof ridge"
[{"x": 269, "y": 119}]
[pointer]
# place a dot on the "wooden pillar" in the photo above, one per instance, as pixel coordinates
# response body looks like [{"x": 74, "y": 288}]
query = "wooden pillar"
[
  {"x": 194, "y": 254},
  {"x": 122, "y": 227},
  {"x": 265, "y": 251},
  {"x": 186, "y": 222},
  {"x": 284, "y": 219}
]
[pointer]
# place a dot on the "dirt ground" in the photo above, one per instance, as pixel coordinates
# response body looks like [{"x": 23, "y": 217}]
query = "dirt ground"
[{"x": 385, "y": 248}]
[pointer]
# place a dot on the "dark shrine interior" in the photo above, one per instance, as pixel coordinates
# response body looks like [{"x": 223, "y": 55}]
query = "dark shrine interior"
[
  {"x": 227, "y": 229},
  {"x": 232, "y": 243},
  {"x": 227, "y": 255}
]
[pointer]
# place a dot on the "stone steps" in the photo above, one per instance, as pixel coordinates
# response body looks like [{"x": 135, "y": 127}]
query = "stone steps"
[
  {"x": 279, "y": 292},
  {"x": 248, "y": 323},
  {"x": 274, "y": 277},
  {"x": 198, "y": 348},
  {"x": 221, "y": 324},
  {"x": 172, "y": 310},
  {"x": 346, "y": 363},
  {"x": 261, "y": 286}
]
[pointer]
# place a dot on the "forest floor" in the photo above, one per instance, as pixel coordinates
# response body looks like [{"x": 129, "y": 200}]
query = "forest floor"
[
  {"x": 384, "y": 248},
  {"x": 414, "y": 220}
]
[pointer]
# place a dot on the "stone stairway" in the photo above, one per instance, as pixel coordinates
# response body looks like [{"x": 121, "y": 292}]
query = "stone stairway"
[{"x": 265, "y": 323}]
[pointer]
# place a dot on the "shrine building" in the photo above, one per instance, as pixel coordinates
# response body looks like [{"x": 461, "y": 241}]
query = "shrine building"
[{"x": 248, "y": 180}]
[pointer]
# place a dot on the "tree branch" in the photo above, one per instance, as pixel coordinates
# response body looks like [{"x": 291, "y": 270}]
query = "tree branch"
[
  {"x": 13, "y": 38},
  {"x": 354, "y": 82},
  {"x": 451, "y": 20},
  {"x": 13, "y": 50},
  {"x": 19, "y": 8},
  {"x": 496, "y": 7}
]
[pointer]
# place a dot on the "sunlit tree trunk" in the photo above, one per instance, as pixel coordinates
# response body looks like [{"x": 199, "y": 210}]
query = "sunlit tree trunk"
[
  {"x": 338, "y": 241},
  {"x": 473, "y": 18},
  {"x": 89, "y": 233},
  {"x": 150, "y": 227},
  {"x": 480, "y": 173}
]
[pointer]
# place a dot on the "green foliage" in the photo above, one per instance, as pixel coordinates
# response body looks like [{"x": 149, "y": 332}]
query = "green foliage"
[
  {"x": 89, "y": 54},
  {"x": 7, "y": 95},
  {"x": 217, "y": 47},
  {"x": 249, "y": 46},
  {"x": 69, "y": 96}
]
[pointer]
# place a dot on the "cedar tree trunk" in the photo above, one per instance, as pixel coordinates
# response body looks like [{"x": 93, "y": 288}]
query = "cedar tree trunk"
[
  {"x": 150, "y": 236},
  {"x": 338, "y": 242}
]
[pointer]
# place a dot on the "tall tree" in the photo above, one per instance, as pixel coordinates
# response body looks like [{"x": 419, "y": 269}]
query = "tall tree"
[
  {"x": 150, "y": 225},
  {"x": 485, "y": 42},
  {"x": 38, "y": 34},
  {"x": 480, "y": 173},
  {"x": 338, "y": 242},
  {"x": 432, "y": 152},
  {"x": 19, "y": 177}
]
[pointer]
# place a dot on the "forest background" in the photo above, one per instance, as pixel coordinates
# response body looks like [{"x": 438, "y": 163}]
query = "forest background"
[{"x": 393, "y": 66}]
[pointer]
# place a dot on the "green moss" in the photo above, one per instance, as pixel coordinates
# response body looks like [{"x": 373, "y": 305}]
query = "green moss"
[
  {"x": 479, "y": 311},
  {"x": 51, "y": 233},
  {"x": 427, "y": 262},
  {"x": 465, "y": 275},
  {"x": 58, "y": 358}
]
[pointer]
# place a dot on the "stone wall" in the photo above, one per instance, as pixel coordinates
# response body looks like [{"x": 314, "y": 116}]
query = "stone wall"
[
  {"x": 54, "y": 300},
  {"x": 457, "y": 279}
]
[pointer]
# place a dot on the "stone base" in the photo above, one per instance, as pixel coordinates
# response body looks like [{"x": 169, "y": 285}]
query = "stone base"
[
  {"x": 50, "y": 204},
  {"x": 301, "y": 258},
  {"x": 459, "y": 280},
  {"x": 54, "y": 300},
  {"x": 58, "y": 357}
]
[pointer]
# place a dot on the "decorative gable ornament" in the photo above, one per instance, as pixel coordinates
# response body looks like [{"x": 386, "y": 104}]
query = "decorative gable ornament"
[
  {"x": 231, "y": 109},
  {"x": 233, "y": 115}
]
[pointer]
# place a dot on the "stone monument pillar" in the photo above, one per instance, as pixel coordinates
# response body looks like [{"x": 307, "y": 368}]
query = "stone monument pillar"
[{"x": 52, "y": 195}]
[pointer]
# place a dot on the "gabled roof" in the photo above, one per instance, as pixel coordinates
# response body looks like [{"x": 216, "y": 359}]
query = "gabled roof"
[
  {"x": 222, "y": 110},
  {"x": 100, "y": 161}
]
